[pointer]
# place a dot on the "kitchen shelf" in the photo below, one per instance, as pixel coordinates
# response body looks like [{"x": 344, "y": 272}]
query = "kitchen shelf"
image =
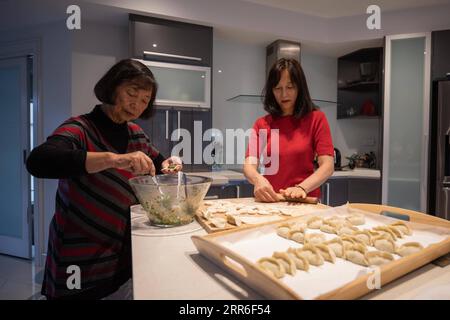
[
  {"x": 253, "y": 98},
  {"x": 360, "y": 86}
]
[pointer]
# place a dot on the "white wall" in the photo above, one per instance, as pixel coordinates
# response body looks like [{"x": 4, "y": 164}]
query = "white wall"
[
  {"x": 243, "y": 72},
  {"x": 54, "y": 85},
  {"x": 95, "y": 48},
  {"x": 349, "y": 135}
]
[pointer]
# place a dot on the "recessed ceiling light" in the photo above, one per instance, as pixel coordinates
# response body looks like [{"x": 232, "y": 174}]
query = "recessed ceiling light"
[
  {"x": 155, "y": 45},
  {"x": 219, "y": 71}
]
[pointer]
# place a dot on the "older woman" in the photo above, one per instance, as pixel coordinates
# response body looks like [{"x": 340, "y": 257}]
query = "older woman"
[
  {"x": 93, "y": 156},
  {"x": 303, "y": 132}
]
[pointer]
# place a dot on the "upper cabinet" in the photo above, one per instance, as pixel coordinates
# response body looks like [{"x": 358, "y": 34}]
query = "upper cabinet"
[
  {"x": 440, "y": 62},
  {"x": 170, "y": 41},
  {"x": 360, "y": 83}
]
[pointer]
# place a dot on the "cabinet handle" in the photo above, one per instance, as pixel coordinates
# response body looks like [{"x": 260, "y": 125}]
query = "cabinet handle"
[
  {"x": 238, "y": 191},
  {"x": 179, "y": 136},
  {"x": 159, "y": 54},
  {"x": 167, "y": 124},
  {"x": 211, "y": 197}
]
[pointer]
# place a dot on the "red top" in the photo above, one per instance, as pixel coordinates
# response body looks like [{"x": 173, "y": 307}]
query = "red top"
[{"x": 299, "y": 141}]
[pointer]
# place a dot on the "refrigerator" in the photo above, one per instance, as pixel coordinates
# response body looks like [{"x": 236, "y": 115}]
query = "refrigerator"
[{"x": 440, "y": 163}]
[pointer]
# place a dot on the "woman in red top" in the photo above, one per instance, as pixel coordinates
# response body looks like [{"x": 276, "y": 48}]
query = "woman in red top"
[{"x": 303, "y": 134}]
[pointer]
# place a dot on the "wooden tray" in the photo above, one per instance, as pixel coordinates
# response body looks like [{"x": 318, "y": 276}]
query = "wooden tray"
[
  {"x": 211, "y": 228},
  {"x": 272, "y": 288}
]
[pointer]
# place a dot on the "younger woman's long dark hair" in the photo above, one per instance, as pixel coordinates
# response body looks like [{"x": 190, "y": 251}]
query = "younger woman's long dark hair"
[{"x": 303, "y": 104}]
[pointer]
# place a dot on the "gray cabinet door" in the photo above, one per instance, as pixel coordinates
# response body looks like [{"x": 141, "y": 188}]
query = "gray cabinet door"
[
  {"x": 440, "y": 63},
  {"x": 172, "y": 39},
  {"x": 334, "y": 192},
  {"x": 221, "y": 192},
  {"x": 364, "y": 190}
]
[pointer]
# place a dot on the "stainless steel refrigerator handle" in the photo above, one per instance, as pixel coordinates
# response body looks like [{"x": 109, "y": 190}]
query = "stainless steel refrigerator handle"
[
  {"x": 167, "y": 124},
  {"x": 159, "y": 54}
]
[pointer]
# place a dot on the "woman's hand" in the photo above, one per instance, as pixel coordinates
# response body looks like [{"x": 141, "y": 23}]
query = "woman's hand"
[
  {"x": 136, "y": 162},
  {"x": 293, "y": 193},
  {"x": 264, "y": 191},
  {"x": 172, "y": 165}
]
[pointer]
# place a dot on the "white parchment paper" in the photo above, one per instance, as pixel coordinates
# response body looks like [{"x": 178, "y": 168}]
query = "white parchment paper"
[{"x": 263, "y": 241}]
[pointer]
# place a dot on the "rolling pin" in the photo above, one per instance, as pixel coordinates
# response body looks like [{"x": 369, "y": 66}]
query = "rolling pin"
[{"x": 310, "y": 200}]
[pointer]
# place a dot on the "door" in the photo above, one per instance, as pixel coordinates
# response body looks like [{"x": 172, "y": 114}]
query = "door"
[
  {"x": 14, "y": 139},
  {"x": 406, "y": 116}
]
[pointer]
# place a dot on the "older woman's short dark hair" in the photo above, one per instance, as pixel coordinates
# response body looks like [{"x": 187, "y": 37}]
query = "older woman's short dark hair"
[
  {"x": 127, "y": 71},
  {"x": 303, "y": 104}
]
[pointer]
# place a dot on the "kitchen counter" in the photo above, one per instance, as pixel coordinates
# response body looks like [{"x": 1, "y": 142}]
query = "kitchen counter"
[
  {"x": 223, "y": 177},
  {"x": 169, "y": 267}
]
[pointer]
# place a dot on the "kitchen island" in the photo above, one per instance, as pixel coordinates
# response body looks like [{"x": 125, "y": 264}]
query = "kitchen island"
[{"x": 170, "y": 267}]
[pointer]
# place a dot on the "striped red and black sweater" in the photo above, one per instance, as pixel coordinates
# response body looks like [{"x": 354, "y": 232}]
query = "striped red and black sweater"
[{"x": 91, "y": 225}]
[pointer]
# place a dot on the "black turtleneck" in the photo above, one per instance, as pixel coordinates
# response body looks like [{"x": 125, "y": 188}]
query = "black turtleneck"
[{"x": 57, "y": 158}]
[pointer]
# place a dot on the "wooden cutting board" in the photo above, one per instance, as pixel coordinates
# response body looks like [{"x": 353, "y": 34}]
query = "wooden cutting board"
[{"x": 210, "y": 228}]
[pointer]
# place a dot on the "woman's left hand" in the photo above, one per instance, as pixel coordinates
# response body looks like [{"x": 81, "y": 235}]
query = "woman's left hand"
[
  {"x": 293, "y": 193},
  {"x": 172, "y": 165}
]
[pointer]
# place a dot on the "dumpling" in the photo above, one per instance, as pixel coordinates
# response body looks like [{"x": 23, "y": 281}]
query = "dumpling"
[
  {"x": 314, "y": 222},
  {"x": 396, "y": 231},
  {"x": 336, "y": 220},
  {"x": 312, "y": 254},
  {"x": 297, "y": 236},
  {"x": 356, "y": 219},
  {"x": 347, "y": 241},
  {"x": 326, "y": 253},
  {"x": 402, "y": 227},
  {"x": 363, "y": 236},
  {"x": 383, "y": 243},
  {"x": 378, "y": 258},
  {"x": 409, "y": 248},
  {"x": 337, "y": 246},
  {"x": 356, "y": 254},
  {"x": 386, "y": 229},
  {"x": 300, "y": 261},
  {"x": 271, "y": 266},
  {"x": 234, "y": 220},
  {"x": 283, "y": 231},
  {"x": 346, "y": 229},
  {"x": 298, "y": 226},
  {"x": 286, "y": 261},
  {"x": 314, "y": 238},
  {"x": 218, "y": 222},
  {"x": 329, "y": 227}
]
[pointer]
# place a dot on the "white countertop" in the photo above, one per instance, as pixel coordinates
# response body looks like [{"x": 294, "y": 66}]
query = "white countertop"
[
  {"x": 225, "y": 176},
  {"x": 169, "y": 267}
]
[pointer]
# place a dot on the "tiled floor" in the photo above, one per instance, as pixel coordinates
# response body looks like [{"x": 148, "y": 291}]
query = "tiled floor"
[{"x": 20, "y": 279}]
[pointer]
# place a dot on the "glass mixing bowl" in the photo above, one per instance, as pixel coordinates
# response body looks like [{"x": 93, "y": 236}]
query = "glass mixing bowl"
[{"x": 170, "y": 199}]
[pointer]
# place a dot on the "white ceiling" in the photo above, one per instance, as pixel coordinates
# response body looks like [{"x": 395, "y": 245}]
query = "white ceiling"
[{"x": 344, "y": 8}]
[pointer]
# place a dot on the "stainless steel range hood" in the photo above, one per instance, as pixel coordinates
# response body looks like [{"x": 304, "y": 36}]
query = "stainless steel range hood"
[{"x": 281, "y": 49}]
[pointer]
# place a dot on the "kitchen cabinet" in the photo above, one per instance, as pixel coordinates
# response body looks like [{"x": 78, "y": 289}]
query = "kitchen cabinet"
[
  {"x": 359, "y": 84},
  {"x": 406, "y": 120},
  {"x": 364, "y": 190},
  {"x": 337, "y": 191},
  {"x": 170, "y": 41},
  {"x": 334, "y": 192},
  {"x": 440, "y": 63},
  {"x": 161, "y": 126},
  {"x": 234, "y": 189}
]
